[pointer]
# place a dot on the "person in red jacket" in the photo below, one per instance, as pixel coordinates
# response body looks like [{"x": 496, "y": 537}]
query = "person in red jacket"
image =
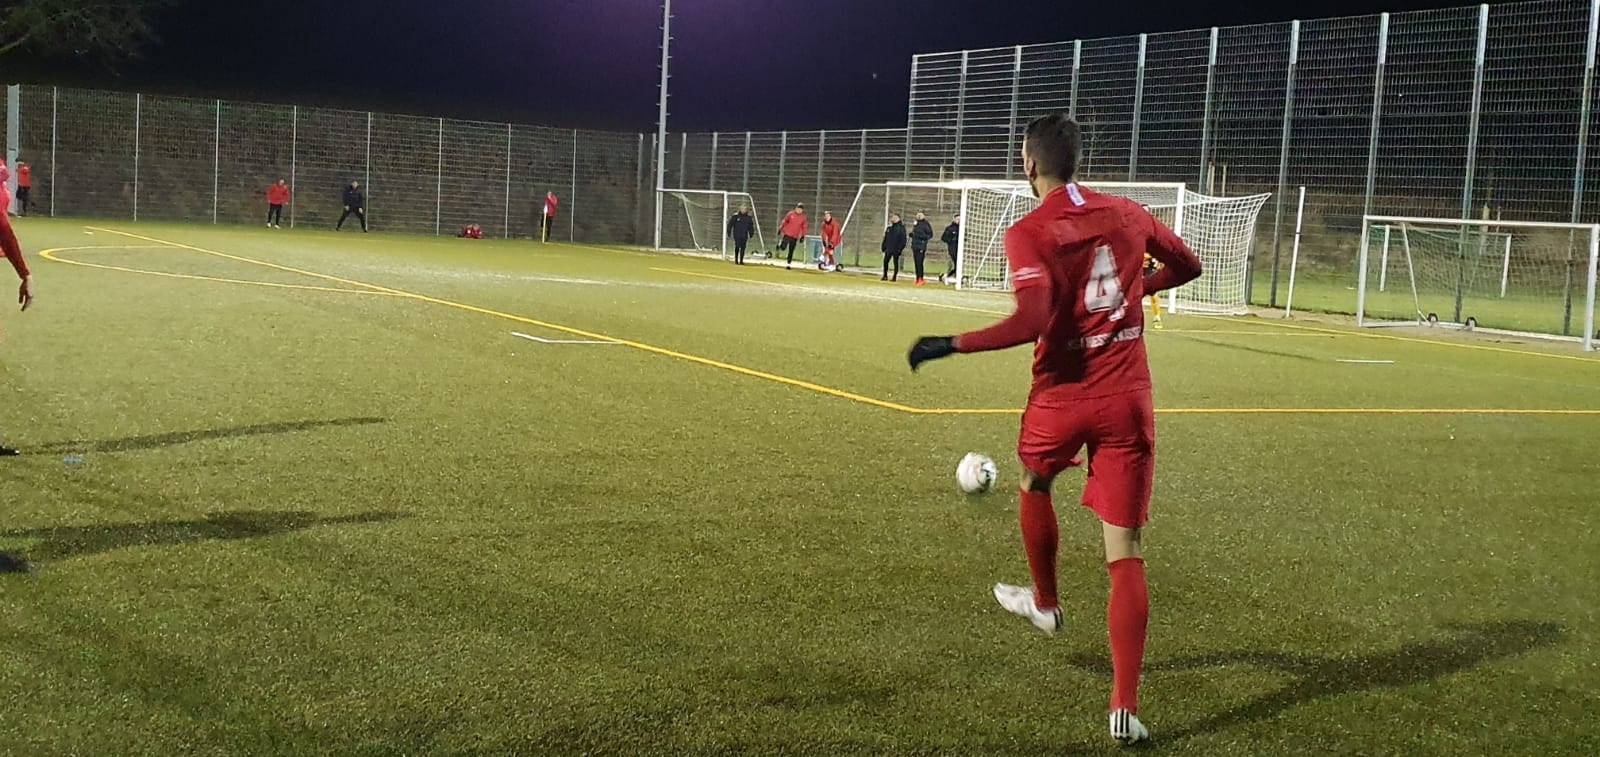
[
  {"x": 830, "y": 241},
  {"x": 24, "y": 187},
  {"x": 792, "y": 230},
  {"x": 551, "y": 205},
  {"x": 277, "y": 197},
  {"x": 13, "y": 252}
]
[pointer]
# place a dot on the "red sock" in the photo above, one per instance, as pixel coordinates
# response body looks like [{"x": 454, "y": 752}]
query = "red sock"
[
  {"x": 1127, "y": 614},
  {"x": 1040, "y": 533}
]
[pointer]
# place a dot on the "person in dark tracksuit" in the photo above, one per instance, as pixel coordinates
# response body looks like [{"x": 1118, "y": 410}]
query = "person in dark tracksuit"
[
  {"x": 354, "y": 203},
  {"x": 952, "y": 243},
  {"x": 894, "y": 244},
  {"x": 740, "y": 227},
  {"x": 921, "y": 235}
]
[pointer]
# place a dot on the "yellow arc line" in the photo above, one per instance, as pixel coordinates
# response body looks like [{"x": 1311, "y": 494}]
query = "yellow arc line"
[
  {"x": 51, "y": 255},
  {"x": 545, "y": 325},
  {"x": 809, "y": 385}
]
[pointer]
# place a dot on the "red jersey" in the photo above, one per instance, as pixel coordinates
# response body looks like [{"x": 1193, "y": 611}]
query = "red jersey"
[
  {"x": 830, "y": 233},
  {"x": 551, "y": 205},
  {"x": 278, "y": 194},
  {"x": 1084, "y": 251},
  {"x": 794, "y": 225},
  {"x": 24, "y": 175}
]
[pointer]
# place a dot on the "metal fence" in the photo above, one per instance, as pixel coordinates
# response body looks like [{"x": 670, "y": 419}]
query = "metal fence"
[
  {"x": 1450, "y": 113},
  {"x": 141, "y": 157}
]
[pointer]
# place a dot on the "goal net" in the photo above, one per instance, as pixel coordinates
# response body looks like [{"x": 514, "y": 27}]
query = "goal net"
[
  {"x": 1220, "y": 230},
  {"x": 697, "y": 219},
  {"x": 861, "y": 236},
  {"x": 1517, "y": 277}
]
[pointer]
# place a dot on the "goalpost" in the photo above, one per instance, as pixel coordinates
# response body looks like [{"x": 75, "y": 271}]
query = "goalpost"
[
  {"x": 1220, "y": 230},
  {"x": 1521, "y": 278},
  {"x": 697, "y": 219}
]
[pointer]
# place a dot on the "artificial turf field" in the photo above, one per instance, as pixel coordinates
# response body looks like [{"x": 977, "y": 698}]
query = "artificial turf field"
[{"x": 351, "y": 513}]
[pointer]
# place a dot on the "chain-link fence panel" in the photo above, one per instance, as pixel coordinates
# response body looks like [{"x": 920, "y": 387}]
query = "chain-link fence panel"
[
  {"x": 604, "y": 201},
  {"x": 330, "y": 149},
  {"x": 403, "y": 194},
  {"x": 257, "y": 150},
  {"x": 177, "y": 159},
  {"x": 475, "y": 177},
  {"x": 36, "y": 145},
  {"x": 541, "y": 162},
  {"x": 96, "y": 144},
  {"x": 1172, "y": 119}
]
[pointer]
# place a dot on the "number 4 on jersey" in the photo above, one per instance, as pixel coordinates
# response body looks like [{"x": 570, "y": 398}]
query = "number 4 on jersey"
[{"x": 1104, "y": 291}]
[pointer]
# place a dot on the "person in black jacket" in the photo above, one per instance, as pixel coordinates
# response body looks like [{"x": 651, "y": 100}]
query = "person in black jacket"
[
  {"x": 740, "y": 227},
  {"x": 921, "y": 235},
  {"x": 952, "y": 243},
  {"x": 354, "y": 203},
  {"x": 894, "y": 244}
]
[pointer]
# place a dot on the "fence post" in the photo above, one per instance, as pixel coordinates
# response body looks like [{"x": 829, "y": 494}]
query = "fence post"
[
  {"x": 911, "y": 120},
  {"x": 1283, "y": 170},
  {"x": 1377, "y": 114},
  {"x": 1472, "y": 149},
  {"x": 783, "y": 158},
  {"x": 1011, "y": 123},
  {"x": 822, "y": 144},
  {"x": 1205, "y": 118},
  {"x": 55, "y": 97},
  {"x": 368, "y": 174},
  {"x": 861, "y": 159},
  {"x": 711, "y": 182},
  {"x": 294, "y": 159},
  {"x": 961, "y": 117},
  {"x": 1077, "y": 62},
  {"x": 683, "y": 154},
  {"x": 1138, "y": 106},
  {"x": 638, "y": 185},
  {"x": 506, "y": 223},
  {"x": 744, "y": 184},
  {"x": 216, "y": 165},
  {"x": 138, "y": 116},
  {"x": 438, "y": 185},
  {"x": 572, "y": 205}
]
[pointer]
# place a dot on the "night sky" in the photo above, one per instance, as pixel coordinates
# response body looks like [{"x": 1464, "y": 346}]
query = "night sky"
[{"x": 755, "y": 64}]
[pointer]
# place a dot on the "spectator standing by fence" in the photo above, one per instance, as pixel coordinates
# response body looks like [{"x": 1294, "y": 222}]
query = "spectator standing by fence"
[
  {"x": 548, "y": 218},
  {"x": 355, "y": 203},
  {"x": 921, "y": 235},
  {"x": 740, "y": 227},
  {"x": 277, "y": 197},
  {"x": 952, "y": 245},
  {"x": 24, "y": 187},
  {"x": 894, "y": 245}
]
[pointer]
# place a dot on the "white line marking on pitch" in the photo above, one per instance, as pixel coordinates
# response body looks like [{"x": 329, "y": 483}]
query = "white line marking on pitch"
[
  {"x": 542, "y": 340},
  {"x": 1368, "y": 362}
]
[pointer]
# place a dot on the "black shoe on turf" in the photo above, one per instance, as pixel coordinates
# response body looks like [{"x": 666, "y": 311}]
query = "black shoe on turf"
[
  {"x": 13, "y": 564},
  {"x": 8, "y": 452}
]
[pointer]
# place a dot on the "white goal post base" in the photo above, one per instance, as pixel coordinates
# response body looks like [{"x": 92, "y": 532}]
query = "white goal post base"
[
  {"x": 1220, "y": 230},
  {"x": 697, "y": 219},
  {"x": 1516, "y": 278}
]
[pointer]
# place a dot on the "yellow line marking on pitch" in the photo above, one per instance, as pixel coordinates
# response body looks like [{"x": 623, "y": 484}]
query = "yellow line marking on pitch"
[
  {"x": 840, "y": 393},
  {"x": 809, "y": 385},
  {"x": 51, "y": 255},
  {"x": 1418, "y": 340}
]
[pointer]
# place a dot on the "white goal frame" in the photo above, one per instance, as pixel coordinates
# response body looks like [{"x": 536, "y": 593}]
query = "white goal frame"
[
  {"x": 1485, "y": 227},
  {"x": 1173, "y": 197},
  {"x": 728, "y": 200}
]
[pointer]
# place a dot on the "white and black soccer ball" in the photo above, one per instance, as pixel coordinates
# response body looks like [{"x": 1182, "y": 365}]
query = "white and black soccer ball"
[{"x": 976, "y": 473}]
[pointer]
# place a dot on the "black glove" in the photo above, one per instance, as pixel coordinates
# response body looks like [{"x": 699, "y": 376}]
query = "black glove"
[{"x": 931, "y": 348}]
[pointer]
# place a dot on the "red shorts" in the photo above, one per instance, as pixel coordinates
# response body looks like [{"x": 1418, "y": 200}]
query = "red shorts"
[{"x": 1120, "y": 434}]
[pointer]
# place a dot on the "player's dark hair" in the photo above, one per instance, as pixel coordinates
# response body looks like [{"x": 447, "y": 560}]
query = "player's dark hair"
[{"x": 1054, "y": 142}]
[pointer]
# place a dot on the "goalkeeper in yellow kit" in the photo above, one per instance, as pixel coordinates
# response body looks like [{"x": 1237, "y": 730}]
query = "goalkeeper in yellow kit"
[{"x": 1150, "y": 267}]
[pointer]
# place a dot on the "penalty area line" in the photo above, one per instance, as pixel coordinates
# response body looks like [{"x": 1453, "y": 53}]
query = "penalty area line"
[{"x": 542, "y": 340}]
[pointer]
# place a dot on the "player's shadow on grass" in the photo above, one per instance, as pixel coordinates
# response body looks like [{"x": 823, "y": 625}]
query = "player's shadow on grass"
[
  {"x": 175, "y": 438},
  {"x": 66, "y": 542},
  {"x": 1467, "y": 646}
]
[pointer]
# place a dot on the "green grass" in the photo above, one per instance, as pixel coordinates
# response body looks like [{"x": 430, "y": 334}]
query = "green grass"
[{"x": 324, "y": 522}]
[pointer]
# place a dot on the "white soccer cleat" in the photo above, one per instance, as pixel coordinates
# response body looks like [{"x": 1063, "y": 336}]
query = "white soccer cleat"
[
  {"x": 1126, "y": 728},
  {"x": 1019, "y": 600}
]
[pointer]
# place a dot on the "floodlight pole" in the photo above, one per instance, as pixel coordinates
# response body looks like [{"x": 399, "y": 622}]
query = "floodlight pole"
[{"x": 661, "y": 119}]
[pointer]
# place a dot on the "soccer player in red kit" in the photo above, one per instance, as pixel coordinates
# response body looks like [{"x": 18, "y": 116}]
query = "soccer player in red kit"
[{"x": 1076, "y": 266}]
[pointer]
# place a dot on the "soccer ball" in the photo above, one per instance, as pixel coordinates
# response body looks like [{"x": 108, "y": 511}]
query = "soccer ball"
[{"x": 976, "y": 473}]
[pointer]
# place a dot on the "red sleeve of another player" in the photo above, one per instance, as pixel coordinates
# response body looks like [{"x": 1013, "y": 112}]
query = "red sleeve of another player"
[
  {"x": 1031, "y": 282},
  {"x": 13, "y": 249},
  {"x": 1179, "y": 265}
]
